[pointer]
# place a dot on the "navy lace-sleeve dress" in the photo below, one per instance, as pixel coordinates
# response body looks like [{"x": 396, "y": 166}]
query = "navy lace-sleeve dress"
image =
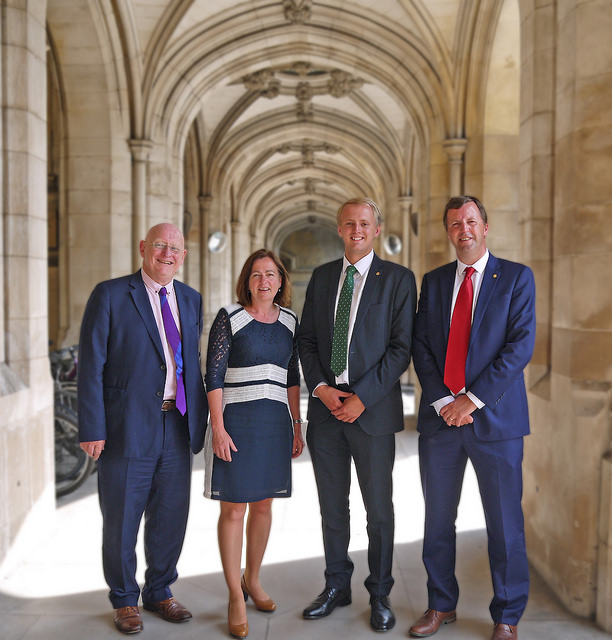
[{"x": 254, "y": 363}]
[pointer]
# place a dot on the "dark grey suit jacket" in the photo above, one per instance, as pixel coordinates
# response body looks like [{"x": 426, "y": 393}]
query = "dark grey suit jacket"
[{"x": 380, "y": 347}]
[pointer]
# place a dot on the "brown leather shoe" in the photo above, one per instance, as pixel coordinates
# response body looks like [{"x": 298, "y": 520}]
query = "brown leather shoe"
[
  {"x": 128, "y": 620},
  {"x": 504, "y": 632},
  {"x": 169, "y": 610},
  {"x": 430, "y": 622}
]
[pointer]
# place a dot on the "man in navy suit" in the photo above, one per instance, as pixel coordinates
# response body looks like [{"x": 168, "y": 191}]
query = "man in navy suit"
[
  {"x": 483, "y": 421},
  {"x": 355, "y": 410},
  {"x": 142, "y": 412}
]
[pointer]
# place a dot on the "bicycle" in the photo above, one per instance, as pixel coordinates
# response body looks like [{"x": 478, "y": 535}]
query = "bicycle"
[
  {"x": 64, "y": 364},
  {"x": 72, "y": 465}
]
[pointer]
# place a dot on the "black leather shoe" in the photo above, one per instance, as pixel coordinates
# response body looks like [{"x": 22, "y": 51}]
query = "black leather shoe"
[
  {"x": 326, "y": 602},
  {"x": 382, "y": 618}
]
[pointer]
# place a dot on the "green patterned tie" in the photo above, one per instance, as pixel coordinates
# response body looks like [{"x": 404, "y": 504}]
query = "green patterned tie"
[{"x": 343, "y": 312}]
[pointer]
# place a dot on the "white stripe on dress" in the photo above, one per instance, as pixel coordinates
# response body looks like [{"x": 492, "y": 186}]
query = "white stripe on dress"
[
  {"x": 239, "y": 320},
  {"x": 268, "y": 371},
  {"x": 254, "y": 392}
]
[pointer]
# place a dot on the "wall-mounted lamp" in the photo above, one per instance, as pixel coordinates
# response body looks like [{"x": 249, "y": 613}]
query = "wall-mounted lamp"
[
  {"x": 217, "y": 242},
  {"x": 392, "y": 244}
]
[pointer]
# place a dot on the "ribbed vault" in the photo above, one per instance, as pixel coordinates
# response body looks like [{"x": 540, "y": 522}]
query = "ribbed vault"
[{"x": 296, "y": 94}]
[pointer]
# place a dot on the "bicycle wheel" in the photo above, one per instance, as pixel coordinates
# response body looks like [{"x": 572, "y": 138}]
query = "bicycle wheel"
[
  {"x": 66, "y": 394},
  {"x": 72, "y": 465}
]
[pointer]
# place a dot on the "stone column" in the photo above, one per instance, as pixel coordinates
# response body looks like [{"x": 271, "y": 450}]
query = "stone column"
[
  {"x": 567, "y": 528},
  {"x": 205, "y": 202},
  {"x": 405, "y": 206},
  {"x": 455, "y": 150},
  {"x": 27, "y": 487},
  {"x": 140, "y": 155},
  {"x": 582, "y": 298},
  {"x": 236, "y": 257},
  {"x": 604, "y": 543}
]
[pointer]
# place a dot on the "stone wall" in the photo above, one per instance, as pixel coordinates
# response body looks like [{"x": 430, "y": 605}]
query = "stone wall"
[
  {"x": 567, "y": 145},
  {"x": 27, "y": 495}
]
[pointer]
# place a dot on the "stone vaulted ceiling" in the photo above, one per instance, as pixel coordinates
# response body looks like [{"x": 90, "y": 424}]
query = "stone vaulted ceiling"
[{"x": 297, "y": 104}]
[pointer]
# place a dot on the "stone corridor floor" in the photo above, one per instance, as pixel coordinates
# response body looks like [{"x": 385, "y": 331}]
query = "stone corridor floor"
[{"x": 58, "y": 591}]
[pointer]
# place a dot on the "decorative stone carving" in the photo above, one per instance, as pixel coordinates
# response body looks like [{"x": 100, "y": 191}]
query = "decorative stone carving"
[
  {"x": 304, "y": 111},
  {"x": 342, "y": 83},
  {"x": 297, "y": 11},
  {"x": 310, "y": 185},
  {"x": 301, "y": 68},
  {"x": 264, "y": 82},
  {"x": 307, "y": 148},
  {"x": 303, "y": 91}
]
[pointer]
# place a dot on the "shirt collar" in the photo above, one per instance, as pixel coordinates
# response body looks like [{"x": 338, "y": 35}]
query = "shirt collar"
[
  {"x": 153, "y": 286},
  {"x": 479, "y": 265},
  {"x": 361, "y": 265}
]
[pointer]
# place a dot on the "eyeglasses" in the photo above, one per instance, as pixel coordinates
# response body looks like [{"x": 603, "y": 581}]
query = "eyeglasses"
[{"x": 162, "y": 246}]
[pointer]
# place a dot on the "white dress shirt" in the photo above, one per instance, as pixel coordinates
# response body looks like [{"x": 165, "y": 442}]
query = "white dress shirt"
[
  {"x": 153, "y": 288},
  {"x": 479, "y": 267},
  {"x": 359, "y": 278}
]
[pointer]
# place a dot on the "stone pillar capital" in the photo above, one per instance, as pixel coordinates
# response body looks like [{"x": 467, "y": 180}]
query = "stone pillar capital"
[
  {"x": 140, "y": 149},
  {"x": 204, "y": 202},
  {"x": 455, "y": 149},
  {"x": 405, "y": 202}
]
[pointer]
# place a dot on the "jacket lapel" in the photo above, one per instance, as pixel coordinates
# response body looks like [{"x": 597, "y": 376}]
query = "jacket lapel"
[
  {"x": 141, "y": 300},
  {"x": 373, "y": 280},
  {"x": 447, "y": 282},
  {"x": 184, "y": 314},
  {"x": 332, "y": 291},
  {"x": 487, "y": 287}
]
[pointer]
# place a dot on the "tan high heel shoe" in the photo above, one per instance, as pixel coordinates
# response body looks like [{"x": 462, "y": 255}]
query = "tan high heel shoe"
[
  {"x": 268, "y": 606},
  {"x": 237, "y": 630}
]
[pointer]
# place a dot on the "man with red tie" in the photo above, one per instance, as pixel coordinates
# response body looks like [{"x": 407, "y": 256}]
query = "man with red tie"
[
  {"x": 142, "y": 415},
  {"x": 474, "y": 335}
]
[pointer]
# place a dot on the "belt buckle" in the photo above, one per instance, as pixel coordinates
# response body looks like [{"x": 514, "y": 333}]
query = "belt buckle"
[{"x": 168, "y": 405}]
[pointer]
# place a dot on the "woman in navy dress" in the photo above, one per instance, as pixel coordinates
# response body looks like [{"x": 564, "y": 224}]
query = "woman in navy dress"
[{"x": 252, "y": 380}]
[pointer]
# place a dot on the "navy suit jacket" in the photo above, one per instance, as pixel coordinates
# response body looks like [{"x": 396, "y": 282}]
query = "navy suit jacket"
[
  {"x": 501, "y": 345},
  {"x": 122, "y": 370},
  {"x": 380, "y": 346}
]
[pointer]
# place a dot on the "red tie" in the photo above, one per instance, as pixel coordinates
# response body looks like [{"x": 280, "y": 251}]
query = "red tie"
[{"x": 459, "y": 336}]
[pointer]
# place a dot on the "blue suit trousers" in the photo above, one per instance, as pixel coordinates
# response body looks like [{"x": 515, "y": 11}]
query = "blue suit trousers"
[
  {"x": 157, "y": 486},
  {"x": 498, "y": 466}
]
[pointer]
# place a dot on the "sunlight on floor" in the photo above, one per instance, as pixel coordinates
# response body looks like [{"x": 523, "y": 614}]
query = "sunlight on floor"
[{"x": 70, "y": 560}]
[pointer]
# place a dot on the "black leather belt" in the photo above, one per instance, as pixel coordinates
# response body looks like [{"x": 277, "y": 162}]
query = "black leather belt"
[{"x": 168, "y": 405}]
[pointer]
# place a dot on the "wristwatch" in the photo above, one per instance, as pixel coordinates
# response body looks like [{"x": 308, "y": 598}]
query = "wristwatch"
[{"x": 297, "y": 421}]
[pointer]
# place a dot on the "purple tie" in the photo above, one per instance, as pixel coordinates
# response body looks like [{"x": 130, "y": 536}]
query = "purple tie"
[{"x": 174, "y": 340}]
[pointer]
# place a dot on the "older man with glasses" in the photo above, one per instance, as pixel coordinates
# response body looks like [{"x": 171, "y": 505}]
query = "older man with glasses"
[{"x": 142, "y": 412}]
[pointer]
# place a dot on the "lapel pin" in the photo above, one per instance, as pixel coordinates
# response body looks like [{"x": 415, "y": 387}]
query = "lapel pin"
[
  {"x": 378, "y": 273},
  {"x": 495, "y": 275}
]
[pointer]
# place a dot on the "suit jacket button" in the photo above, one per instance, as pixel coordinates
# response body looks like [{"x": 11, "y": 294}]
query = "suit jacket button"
[
  {"x": 159, "y": 394},
  {"x": 163, "y": 367}
]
